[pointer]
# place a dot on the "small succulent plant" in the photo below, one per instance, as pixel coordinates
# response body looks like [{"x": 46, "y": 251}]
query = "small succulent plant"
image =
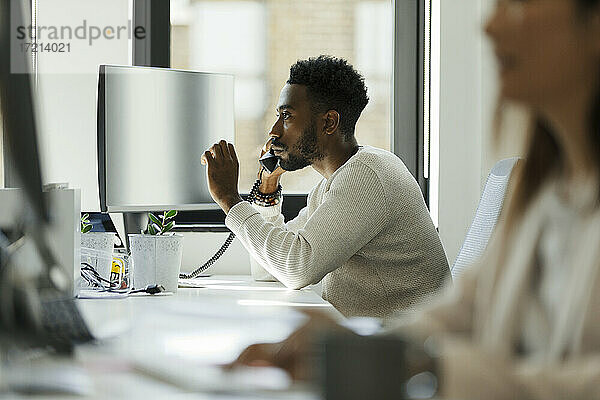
[
  {"x": 86, "y": 226},
  {"x": 162, "y": 224}
]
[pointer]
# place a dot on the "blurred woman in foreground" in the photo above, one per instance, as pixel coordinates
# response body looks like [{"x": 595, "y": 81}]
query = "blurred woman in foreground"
[{"x": 525, "y": 321}]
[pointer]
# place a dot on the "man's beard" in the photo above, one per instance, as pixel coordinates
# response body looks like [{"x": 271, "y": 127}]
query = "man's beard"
[{"x": 304, "y": 152}]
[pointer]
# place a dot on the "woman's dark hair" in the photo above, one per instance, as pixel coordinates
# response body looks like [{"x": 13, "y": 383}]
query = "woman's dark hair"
[
  {"x": 332, "y": 84},
  {"x": 544, "y": 155}
]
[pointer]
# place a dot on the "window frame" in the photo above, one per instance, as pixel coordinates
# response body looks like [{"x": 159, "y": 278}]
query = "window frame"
[
  {"x": 155, "y": 49},
  {"x": 408, "y": 82}
]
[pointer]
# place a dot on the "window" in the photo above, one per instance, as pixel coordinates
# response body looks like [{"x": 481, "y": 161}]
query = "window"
[
  {"x": 258, "y": 40},
  {"x": 66, "y": 84}
]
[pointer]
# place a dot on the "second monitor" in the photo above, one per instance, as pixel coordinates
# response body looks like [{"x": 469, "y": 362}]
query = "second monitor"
[{"x": 153, "y": 126}]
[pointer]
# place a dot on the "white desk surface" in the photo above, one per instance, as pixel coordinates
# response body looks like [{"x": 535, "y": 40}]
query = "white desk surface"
[{"x": 195, "y": 327}]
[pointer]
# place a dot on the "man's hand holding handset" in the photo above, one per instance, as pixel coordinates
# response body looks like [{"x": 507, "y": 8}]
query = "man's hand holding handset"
[
  {"x": 223, "y": 174},
  {"x": 269, "y": 181}
]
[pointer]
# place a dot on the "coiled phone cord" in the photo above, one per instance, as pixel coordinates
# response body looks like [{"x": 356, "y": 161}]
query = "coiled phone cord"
[
  {"x": 211, "y": 261},
  {"x": 251, "y": 198}
]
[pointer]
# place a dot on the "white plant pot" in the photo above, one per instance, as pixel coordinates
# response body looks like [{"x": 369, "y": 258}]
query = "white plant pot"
[
  {"x": 156, "y": 260},
  {"x": 101, "y": 245}
]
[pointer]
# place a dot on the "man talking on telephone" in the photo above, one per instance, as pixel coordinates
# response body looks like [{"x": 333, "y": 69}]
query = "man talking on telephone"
[{"x": 366, "y": 231}]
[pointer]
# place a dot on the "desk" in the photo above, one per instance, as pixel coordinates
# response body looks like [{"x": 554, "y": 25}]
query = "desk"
[{"x": 211, "y": 324}]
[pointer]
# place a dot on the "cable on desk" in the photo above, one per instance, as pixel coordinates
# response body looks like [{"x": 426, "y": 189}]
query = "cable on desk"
[
  {"x": 94, "y": 280},
  {"x": 211, "y": 261}
]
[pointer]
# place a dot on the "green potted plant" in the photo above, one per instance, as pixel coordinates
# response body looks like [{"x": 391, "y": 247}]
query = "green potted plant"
[
  {"x": 85, "y": 223},
  {"x": 157, "y": 252},
  {"x": 97, "y": 247}
]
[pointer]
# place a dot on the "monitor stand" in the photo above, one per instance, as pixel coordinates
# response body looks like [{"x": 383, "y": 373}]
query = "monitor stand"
[{"x": 133, "y": 222}]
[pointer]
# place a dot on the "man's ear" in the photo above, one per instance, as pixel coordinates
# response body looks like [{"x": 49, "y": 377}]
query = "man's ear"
[{"x": 332, "y": 122}]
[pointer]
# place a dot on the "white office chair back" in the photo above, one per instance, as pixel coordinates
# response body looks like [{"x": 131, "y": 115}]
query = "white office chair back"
[{"x": 486, "y": 216}]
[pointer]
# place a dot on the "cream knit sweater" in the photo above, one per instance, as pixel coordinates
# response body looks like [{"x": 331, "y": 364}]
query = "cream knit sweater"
[{"x": 365, "y": 232}]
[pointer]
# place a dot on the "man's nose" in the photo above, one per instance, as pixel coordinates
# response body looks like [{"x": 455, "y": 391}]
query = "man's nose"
[{"x": 276, "y": 129}]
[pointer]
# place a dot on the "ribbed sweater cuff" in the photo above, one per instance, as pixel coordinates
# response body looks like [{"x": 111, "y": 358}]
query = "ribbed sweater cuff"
[
  {"x": 268, "y": 212},
  {"x": 238, "y": 214}
]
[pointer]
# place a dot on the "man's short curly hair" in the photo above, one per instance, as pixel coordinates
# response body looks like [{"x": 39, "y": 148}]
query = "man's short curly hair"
[{"x": 332, "y": 84}]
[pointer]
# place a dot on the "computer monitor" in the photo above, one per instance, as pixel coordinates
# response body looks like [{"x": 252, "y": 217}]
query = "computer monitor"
[
  {"x": 22, "y": 315},
  {"x": 18, "y": 113},
  {"x": 153, "y": 126}
]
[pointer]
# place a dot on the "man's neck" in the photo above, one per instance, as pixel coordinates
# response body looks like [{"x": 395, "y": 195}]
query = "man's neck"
[{"x": 335, "y": 158}]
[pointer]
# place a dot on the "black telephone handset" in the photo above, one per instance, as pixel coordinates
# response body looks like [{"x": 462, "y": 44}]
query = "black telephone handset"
[{"x": 269, "y": 161}]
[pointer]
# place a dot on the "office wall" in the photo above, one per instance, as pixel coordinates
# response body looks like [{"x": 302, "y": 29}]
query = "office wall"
[
  {"x": 468, "y": 91},
  {"x": 67, "y": 84}
]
